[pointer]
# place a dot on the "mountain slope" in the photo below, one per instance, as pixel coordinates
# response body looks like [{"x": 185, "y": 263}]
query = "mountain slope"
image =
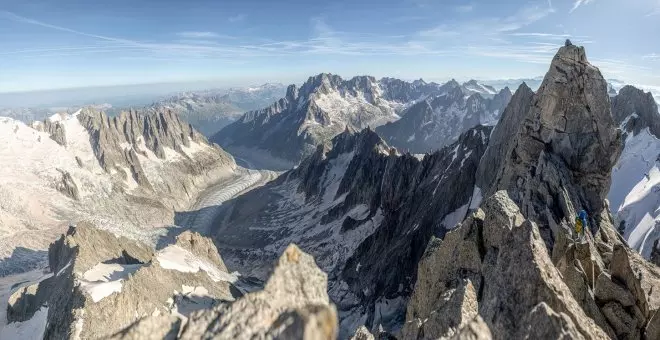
[
  {"x": 291, "y": 128},
  {"x": 636, "y": 177},
  {"x": 128, "y": 173},
  {"x": 438, "y": 120},
  {"x": 347, "y": 204}
]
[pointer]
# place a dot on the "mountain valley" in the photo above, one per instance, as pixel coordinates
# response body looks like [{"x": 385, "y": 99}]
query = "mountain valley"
[{"x": 357, "y": 208}]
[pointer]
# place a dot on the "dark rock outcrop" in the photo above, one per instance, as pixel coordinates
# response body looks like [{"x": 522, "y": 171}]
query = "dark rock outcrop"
[
  {"x": 68, "y": 186},
  {"x": 638, "y": 110},
  {"x": 349, "y": 204}
]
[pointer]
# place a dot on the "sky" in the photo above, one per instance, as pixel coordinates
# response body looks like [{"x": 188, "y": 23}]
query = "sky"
[{"x": 55, "y": 44}]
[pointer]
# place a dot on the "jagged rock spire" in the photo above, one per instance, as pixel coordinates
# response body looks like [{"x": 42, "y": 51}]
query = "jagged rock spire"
[{"x": 553, "y": 151}]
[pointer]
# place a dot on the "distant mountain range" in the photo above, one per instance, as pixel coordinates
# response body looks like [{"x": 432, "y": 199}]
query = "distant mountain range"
[
  {"x": 208, "y": 110},
  {"x": 441, "y": 118},
  {"x": 211, "y": 110},
  {"x": 326, "y": 105}
]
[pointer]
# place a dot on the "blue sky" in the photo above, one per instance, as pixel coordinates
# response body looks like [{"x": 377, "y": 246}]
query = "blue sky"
[{"x": 77, "y": 43}]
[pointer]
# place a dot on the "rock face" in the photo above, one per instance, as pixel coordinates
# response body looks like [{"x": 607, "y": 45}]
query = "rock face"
[
  {"x": 559, "y": 159},
  {"x": 294, "y": 304},
  {"x": 118, "y": 141},
  {"x": 550, "y": 156},
  {"x": 635, "y": 110},
  {"x": 349, "y": 204},
  {"x": 634, "y": 191},
  {"x": 115, "y": 288},
  {"x": 438, "y": 120},
  {"x": 291, "y": 128},
  {"x": 103, "y": 284}
]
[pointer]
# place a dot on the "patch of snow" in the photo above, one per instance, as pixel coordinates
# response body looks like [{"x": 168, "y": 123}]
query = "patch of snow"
[
  {"x": 12, "y": 283},
  {"x": 411, "y": 138},
  {"x": 476, "y": 199},
  {"x": 176, "y": 258},
  {"x": 32, "y": 329},
  {"x": 635, "y": 191},
  {"x": 104, "y": 279},
  {"x": 451, "y": 220}
]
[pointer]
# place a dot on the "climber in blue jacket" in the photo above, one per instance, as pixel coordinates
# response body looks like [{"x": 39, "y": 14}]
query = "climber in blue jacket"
[{"x": 581, "y": 224}]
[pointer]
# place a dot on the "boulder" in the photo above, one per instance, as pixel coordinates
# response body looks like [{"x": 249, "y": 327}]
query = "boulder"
[
  {"x": 293, "y": 304},
  {"x": 476, "y": 329},
  {"x": 362, "y": 333}
]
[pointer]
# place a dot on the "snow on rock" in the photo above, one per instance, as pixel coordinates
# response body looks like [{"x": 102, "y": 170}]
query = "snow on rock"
[
  {"x": 452, "y": 219},
  {"x": 176, "y": 258},
  {"x": 32, "y": 329},
  {"x": 105, "y": 279},
  {"x": 635, "y": 191},
  {"x": 48, "y": 182}
]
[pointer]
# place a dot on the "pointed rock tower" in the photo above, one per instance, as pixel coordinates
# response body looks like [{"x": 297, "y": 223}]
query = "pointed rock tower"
[{"x": 553, "y": 151}]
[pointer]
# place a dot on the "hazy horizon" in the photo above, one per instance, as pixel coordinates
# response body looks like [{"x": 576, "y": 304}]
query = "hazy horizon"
[{"x": 252, "y": 42}]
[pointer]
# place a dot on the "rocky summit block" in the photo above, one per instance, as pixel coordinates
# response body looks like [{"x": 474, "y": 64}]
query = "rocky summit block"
[{"x": 553, "y": 151}]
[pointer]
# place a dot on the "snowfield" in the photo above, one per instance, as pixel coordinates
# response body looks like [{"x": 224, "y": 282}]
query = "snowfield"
[{"x": 635, "y": 191}]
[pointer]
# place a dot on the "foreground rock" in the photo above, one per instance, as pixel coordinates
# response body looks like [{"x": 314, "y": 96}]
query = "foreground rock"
[
  {"x": 103, "y": 284},
  {"x": 115, "y": 288},
  {"x": 294, "y": 304}
]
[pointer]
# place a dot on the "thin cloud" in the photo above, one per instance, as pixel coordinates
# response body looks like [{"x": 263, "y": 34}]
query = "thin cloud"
[
  {"x": 197, "y": 35},
  {"x": 549, "y": 36},
  {"x": 523, "y": 17},
  {"x": 652, "y": 56},
  {"x": 579, "y": 3},
  {"x": 464, "y": 8},
  {"x": 237, "y": 18}
]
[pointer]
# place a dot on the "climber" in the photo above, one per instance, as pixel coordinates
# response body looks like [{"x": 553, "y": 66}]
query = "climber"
[{"x": 581, "y": 224}]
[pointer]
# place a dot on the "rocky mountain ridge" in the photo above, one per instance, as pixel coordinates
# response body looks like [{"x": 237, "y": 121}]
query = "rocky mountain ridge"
[
  {"x": 439, "y": 119},
  {"x": 108, "y": 292},
  {"x": 128, "y": 173},
  {"x": 347, "y": 203},
  {"x": 323, "y": 107}
]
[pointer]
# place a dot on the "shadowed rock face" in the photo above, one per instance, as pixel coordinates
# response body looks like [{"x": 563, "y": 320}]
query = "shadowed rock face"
[
  {"x": 637, "y": 109},
  {"x": 347, "y": 206}
]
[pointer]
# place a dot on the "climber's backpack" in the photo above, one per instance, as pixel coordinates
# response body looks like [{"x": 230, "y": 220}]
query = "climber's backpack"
[{"x": 578, "y": 225}]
